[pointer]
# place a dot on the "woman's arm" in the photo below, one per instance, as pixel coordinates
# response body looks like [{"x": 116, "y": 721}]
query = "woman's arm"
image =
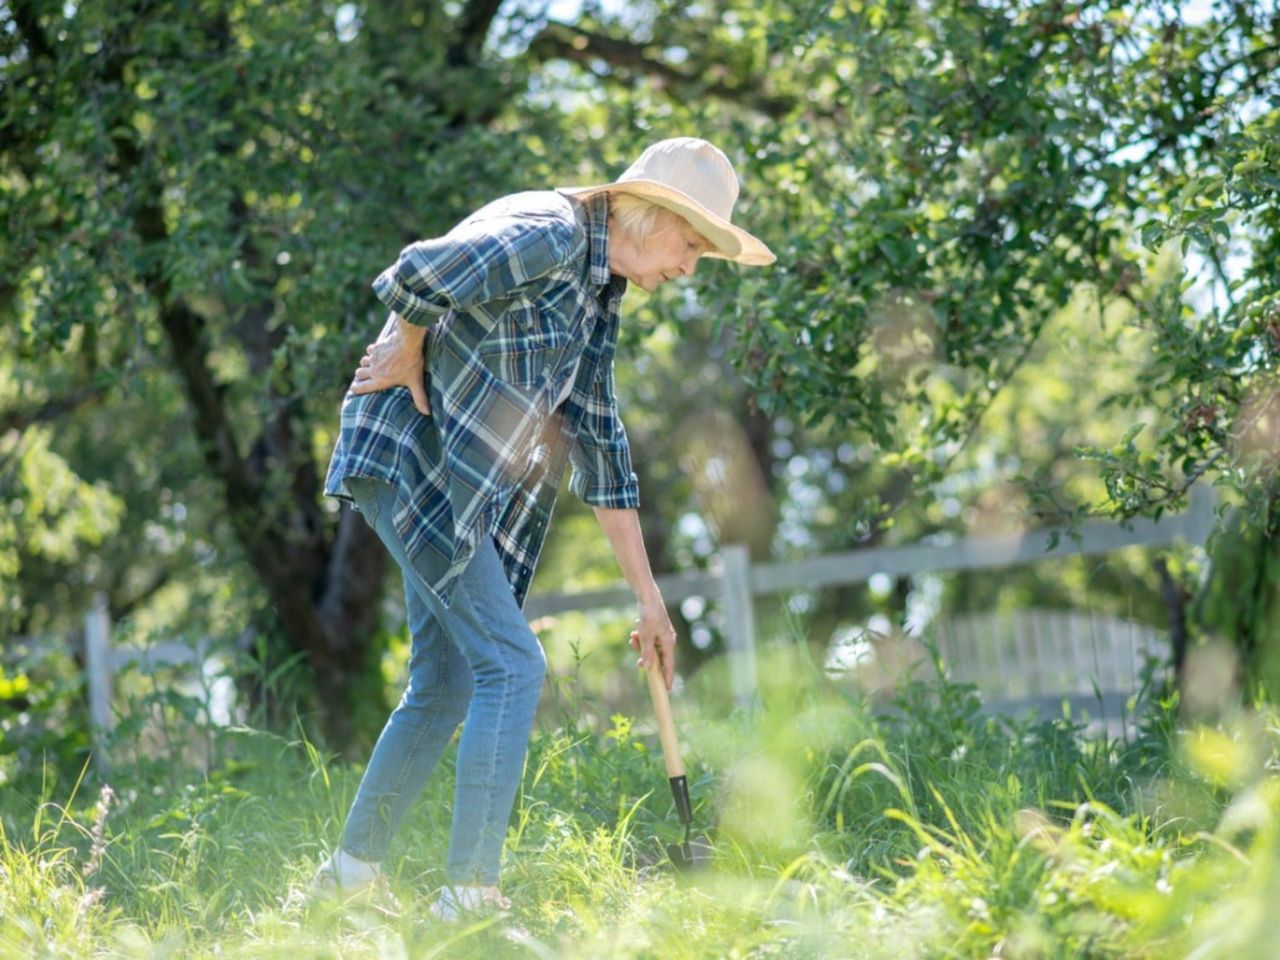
[
  {"x": 477, "y": 261},
  {"x": 654, "y": 631}
]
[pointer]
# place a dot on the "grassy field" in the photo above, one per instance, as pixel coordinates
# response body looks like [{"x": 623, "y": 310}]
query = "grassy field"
[{"x": 925, "y": 831}]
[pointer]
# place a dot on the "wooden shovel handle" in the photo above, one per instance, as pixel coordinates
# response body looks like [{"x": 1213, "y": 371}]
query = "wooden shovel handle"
[{"x": 666, "y": 725}]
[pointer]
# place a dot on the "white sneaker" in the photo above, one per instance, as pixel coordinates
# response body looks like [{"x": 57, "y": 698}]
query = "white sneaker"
[
  {"x": 464, "y": 901},
  {"x": 351, "y": 877}
]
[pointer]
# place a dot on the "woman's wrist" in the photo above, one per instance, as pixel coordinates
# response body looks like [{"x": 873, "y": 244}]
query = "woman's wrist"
[{"x": 650, "y": 596}]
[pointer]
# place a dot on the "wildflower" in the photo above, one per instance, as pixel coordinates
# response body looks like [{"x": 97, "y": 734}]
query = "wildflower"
[
  {"x": 97, "y": 834},
  {"x": 97, "y": 846}
]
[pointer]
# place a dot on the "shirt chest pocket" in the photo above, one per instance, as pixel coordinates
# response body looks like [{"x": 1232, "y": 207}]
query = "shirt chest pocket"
[{"x": 525, "y": 343}]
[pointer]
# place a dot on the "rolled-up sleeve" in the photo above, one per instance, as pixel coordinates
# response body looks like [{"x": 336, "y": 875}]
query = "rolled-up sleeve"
[
  {"x": 477, "y": 261},
  {"x": 601, "y": 457}
]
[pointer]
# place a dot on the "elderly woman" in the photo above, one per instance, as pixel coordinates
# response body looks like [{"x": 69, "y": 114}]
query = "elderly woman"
[{"x": 493, "y": 371}]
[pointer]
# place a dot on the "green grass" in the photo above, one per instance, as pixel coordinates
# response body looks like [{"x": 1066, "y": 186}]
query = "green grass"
[{"x": 925, "y": 832}]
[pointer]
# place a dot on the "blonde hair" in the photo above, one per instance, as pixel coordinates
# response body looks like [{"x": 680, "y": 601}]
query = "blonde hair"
[{"x": 642, "y": 219}]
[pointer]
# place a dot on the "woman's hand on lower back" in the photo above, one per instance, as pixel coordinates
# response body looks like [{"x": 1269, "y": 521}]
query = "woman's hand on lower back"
[{"x": 395, "y": 361}]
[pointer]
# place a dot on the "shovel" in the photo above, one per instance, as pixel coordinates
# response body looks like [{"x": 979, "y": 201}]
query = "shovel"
[{"x": 686, "y": 855}]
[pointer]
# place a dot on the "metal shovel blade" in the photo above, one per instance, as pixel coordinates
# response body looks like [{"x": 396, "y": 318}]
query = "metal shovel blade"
[
  {"x": 687, "y": 855},
  {"x": 690, "y": 855}
]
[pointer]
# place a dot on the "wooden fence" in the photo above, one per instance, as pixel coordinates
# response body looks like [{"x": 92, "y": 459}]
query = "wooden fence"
[
  {"x": 103, "y": 660},
  {"x": 736, "y": 581}
]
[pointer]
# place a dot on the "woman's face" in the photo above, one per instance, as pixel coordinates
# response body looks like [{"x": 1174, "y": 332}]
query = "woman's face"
[{"x": 671, "y": 251}]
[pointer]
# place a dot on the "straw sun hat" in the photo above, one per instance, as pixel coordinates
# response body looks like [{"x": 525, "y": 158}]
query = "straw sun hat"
[{"x": 696, "y": 180}]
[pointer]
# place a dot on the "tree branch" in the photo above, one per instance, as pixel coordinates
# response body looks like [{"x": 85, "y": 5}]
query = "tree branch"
[
  {"x": 473, "y": 26},
  {"x": 28, "y": 22},
  {"x": 23, "y": 417},
  {"x": 560, "y": 41},
  {"x": 121, "y": 611}
]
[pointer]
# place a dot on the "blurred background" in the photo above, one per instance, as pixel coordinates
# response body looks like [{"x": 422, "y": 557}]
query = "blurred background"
[{"x": 1027, "y": 278}]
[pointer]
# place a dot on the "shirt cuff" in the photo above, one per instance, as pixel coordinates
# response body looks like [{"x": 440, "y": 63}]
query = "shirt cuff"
[
  {"x": 611, "y": 496},
  {"x": 392, "y": 291}
]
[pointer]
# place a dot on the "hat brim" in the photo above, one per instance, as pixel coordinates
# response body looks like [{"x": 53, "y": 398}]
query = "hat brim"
[{"x": 728, "y": 242}]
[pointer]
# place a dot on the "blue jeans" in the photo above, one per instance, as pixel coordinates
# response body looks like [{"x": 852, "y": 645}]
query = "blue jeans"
[{"x": 476, "y": 660}]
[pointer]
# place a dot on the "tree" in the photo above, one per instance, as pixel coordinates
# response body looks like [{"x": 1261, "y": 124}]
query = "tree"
[{"x": 197, "y": 195}]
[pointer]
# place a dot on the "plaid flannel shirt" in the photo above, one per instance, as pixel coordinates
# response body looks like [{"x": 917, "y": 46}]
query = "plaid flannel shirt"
[{"x": 519, "y": 292}]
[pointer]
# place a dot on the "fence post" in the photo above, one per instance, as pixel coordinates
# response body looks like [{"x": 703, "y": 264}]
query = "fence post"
[
  {"x": 97, "y": 658},
  {"x": 739, "y": 621}
]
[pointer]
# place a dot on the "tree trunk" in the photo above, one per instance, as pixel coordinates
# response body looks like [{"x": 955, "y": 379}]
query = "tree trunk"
[
  {"x": 323, "y": 582},
  {"x": 323, "y": 587},
  {"x": 1174, "y": 599}
]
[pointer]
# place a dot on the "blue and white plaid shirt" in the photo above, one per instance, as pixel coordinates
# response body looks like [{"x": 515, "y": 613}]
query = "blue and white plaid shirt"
[{"x": 520, "y": 292}]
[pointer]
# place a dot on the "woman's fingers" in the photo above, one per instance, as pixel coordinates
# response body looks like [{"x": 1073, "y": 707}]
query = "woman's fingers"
[
  {"x": 656, "y": 643},
  {"x": 420, "y": 397},
  {"x": 666, "y": 651},
  {"x": 386, "y": 364},
  {"x": 364, "y": 372},
  {"x": 365, "y": 381},
  {"x": 639, "y": 646},
  {"x": 656, "y": 648}
]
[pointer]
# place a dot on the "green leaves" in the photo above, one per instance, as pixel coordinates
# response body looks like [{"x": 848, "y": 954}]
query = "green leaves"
[
  {"x": 1000, "y": 159},
  {"x": 940, "y": 182}
]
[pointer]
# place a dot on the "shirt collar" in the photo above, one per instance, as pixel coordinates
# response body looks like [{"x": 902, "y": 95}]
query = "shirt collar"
[
  {"x": 597, "y": 210},
  {"x": 593, "y": 213}
]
